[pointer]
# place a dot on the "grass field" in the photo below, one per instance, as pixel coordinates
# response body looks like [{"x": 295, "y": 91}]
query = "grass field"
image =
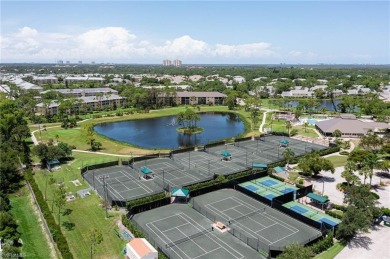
[
  {"x": 35, "y": 244},
  {"x": 83, "y": 215},
  {"x": 338, "y": 160},
  {"x": 75, "y": 136},
  {"x": 331, "y": 252}
]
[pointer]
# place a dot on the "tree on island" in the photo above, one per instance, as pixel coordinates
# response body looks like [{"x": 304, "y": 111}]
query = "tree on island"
[{"x": 188, "y": 119}]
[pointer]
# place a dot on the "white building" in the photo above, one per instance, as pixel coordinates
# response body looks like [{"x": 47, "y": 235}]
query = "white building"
[
  {"x": 79, "y": 92},
  {"x": 167, "y": 62},
  {"x": 45, "y": 79},
  {"x": 177, "y": 63},
  {"x": 140, "y": 248}
]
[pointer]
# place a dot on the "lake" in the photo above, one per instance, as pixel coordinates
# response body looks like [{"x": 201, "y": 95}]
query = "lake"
[{"x": 160, "y": 133}]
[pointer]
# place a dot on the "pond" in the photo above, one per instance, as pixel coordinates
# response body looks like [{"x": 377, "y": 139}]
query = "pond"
[
  {"x": 160, "y": 133},
  {"x": 323, "y": 103}
]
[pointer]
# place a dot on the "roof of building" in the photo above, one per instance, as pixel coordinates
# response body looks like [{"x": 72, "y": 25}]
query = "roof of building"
[
  {"x": 200, "y": 94},
  {"x": 349, "y": 126},
  {"x": 141, "y": 247},
  {"x": 85, "y": 90},
  {"x": 85, "y": 99}
]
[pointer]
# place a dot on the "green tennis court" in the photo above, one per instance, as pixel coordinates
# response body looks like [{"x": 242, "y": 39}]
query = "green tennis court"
[
  {"x": 312, "y": 213},
  {"x": 268, "y": 187}
]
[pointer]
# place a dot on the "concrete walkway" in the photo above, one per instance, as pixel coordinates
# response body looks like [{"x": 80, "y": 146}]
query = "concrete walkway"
[
  {"x": 265, "y": 119},
  {"x": 368, "y": 245}
]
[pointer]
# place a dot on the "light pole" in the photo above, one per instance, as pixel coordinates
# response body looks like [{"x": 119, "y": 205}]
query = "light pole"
[{"x": 104, "y": 177}]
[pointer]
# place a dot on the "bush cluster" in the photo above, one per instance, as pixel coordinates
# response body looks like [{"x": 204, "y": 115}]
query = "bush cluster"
[
  {"x": 386, "y": 211},
  {"x": 344, "y": 153},
  {"x": 130, "y": 226},
  {"x": 54, "y": 228},
  {"x": 277, "y": 177},
  {"x": 323, "y": 244},
  {"x": 340, "y": 207},
  {"x": 338, "y": 214},
  {"x": 140, "y": 201}
]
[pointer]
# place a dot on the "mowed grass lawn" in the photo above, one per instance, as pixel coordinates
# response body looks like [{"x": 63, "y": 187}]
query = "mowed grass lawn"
[
  {"x": 331, "y": 252},
  {"x": 338, "y": 160},
  {"x": 76, "y": 137},
  {"x": 35, "y": 244},
  {"x": 83, "y": 215}
]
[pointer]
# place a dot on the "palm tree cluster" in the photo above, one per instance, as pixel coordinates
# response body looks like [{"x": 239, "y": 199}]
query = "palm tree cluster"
[{"x": 188, "y": 118}]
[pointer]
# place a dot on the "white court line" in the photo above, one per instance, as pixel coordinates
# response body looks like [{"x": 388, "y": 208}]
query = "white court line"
[
  {"x": 169, "y": 229},
  {"x": 266, "y": 215},
  {"x": 272, "y": 218},
  {"x": 207, "y": 253},
  {"x": 169, "y": 241},
  {"x": 232, "y": 207},
  {"x": 216, "y": 237},
  {"x": 192, "y": 240},
  {"x": 137, "y": 181}
]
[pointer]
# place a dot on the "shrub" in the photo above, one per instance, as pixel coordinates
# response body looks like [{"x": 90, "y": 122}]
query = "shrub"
[
  {"x": 119, "y": 113},
  {"x": 323, "y": 244},
  {"x": 375, "y": 195},
  {"x": 133, "y": 229},
  {"x": 293, "y": 132},
  {"x": 277, "y": 177},
  {"x": 344, "y": 153},
  {"x": 338, "y": 214},
  {"x": 54, "y": 228},
  {"x": 386, "y": 211},
  {"x": 340, "y": 207},
  {"x": 342, "y": 186}
]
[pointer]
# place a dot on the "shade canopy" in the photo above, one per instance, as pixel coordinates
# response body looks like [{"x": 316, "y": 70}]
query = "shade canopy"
[
  {"x": 225, "y": 154},
  {"x": 317, "y": 198},
  {"x": 259, "y": 166},
  {"x": 145, "y": 170},
  {"x": 279, "y": 169},
  {"x": 178, "y": 192},
  {"x": 284, "y": 141}
]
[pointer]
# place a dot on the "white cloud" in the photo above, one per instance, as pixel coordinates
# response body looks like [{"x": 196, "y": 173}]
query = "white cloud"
[
  {"x": 295, "y": 53},
  {"x": 118, "y": 44}
]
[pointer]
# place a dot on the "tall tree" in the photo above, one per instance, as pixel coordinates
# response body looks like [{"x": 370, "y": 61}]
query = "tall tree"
[
  {"x": 288, "y": 155},
  {"x": 296, "y": 251},
  {"x": 95, "y": 237},
  {"x": 312, "y": 164}
]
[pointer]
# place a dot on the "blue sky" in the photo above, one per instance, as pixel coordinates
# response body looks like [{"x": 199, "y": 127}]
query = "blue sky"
[{"x": 255, "y": 32}]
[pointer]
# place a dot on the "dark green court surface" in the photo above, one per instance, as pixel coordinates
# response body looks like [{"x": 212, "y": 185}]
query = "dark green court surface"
[
  {"x": 183, "y": 169},
  {"x": 254, "y": 220},
  {"x": 181, "y": 232}
]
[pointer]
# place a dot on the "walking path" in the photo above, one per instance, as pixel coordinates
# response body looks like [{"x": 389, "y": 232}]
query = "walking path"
[{"x": 264, "y": 119}]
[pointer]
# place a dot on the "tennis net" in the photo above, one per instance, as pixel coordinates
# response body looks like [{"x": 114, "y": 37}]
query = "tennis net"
[
  {"x": 188, "y": 238},
  {"x": 246, "y": 216}
]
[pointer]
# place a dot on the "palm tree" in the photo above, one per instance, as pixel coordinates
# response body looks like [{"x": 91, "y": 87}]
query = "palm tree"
[
  {"x": 288, "y": 126},
  {"x": 288, "y": 155},
  {"x": 348, "y": 173},
  {"x": 306, "y": 124},
  {"x": 370, "y": 162}
]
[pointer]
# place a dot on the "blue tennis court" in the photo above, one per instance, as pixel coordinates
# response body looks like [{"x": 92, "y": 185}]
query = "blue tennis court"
[
  {"x": 287, "y": 190},
  {"x": 328, "y": 221},
  {"x": 298, "y": 209},
  {"x": 269, "y": 182},
  {"x": 270, "y": 196},
  {"x": 252, "y": 188}
]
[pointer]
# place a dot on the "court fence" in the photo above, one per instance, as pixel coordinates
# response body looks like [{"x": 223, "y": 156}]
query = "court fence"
[
  {"x": 182, "y": 150},
  {"x": 152, "y": 241},
  {"x": 255, "y": 243},
  {"x": 99, "y": 166},
  {"x": 148, "y": 205}
]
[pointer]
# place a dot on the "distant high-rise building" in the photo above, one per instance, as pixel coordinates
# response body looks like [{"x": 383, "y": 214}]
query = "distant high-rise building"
[
  {"x": 80, "y": 62},
  {"x": 93, "y": 62},
  {"x": 177, "y": 63},
  {"x": 167, "y": 62},
  {"x": 68, "y": 62},
  {"x": 60, "y": 62}
]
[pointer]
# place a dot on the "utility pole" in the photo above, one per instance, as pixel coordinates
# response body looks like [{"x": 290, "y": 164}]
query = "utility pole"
[{"x": 104, "y": 177}]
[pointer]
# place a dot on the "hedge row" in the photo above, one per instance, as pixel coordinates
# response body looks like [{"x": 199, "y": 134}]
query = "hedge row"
[
  {"x": 338, "y": 214},
  {"x": 277, "y": 177},
  {"x": 239, "y": 175},
  {"x": 130, "y": 226},
  {"x": 340, "y": 207},
  {"x": 386, "y": 211},
  {"x": 54, "y": 228},
  {"x": 323, "y": 244},
  {"x": 155, "y": 197}
]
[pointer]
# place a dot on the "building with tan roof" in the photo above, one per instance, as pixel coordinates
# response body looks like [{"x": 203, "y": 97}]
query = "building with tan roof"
[
  {"x": 350, "y": 126},
  {"x": 140, "y": 248}
]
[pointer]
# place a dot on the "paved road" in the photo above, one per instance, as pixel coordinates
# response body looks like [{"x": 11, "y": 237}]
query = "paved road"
[
  {"x": 335, "y": 196},
  {"x": 368, "y": 245}
]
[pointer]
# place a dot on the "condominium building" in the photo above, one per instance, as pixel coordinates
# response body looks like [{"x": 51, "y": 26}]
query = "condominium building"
[
  {"x": 177, "y": 63},
  {"x": 80, "y": 79},
  {"x": 45, "y": 79},
  {"x": 86, "y": 104},
  {"x": 167, "y": 62},
  {"x": 80, "y": 92},
  {"x": 195, "y": 98}
]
